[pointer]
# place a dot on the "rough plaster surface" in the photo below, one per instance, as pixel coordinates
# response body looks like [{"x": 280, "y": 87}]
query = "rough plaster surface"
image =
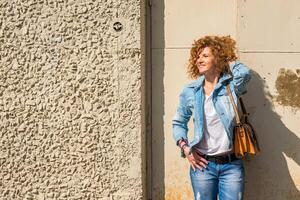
[{"x": 70, "y": 100}]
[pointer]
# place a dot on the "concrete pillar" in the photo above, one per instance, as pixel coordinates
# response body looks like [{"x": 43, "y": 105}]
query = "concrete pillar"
[{"x": 70, "y": 100}]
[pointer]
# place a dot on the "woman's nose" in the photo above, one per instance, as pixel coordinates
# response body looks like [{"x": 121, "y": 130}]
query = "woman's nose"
[{"x": 199, "y": 60}]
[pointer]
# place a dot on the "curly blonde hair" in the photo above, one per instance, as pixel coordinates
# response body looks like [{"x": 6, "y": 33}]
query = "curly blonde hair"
[{"x": 223, "y": 49}]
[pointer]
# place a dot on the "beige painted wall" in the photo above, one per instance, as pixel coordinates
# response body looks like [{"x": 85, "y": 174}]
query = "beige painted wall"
[
  {"x": 70, "y": 100},
  {"x": 266, "y": 32}
]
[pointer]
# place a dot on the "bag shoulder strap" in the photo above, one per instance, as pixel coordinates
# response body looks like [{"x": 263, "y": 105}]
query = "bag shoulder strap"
[
  {"x": 237, "y": 117},
  {"x": 245, "y": 114}
]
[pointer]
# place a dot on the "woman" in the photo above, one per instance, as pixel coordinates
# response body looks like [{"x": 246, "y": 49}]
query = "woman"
[{"x": 214, "y": 171}]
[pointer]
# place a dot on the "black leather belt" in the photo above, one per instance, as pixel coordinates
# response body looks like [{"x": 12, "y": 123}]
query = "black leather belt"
[{"x": 224, "y": 159}]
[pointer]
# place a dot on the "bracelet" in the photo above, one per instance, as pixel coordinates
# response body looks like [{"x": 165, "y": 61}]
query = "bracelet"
[
  {"x": 184, "y": 145},
  {"x": 181, "y": 145},
  {"x": 181, "y": 142}
]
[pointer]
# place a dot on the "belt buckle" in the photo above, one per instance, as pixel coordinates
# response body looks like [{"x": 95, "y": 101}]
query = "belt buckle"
[
  {"x": 223, "y": 160},
  {"x": 229, "y": 158}
]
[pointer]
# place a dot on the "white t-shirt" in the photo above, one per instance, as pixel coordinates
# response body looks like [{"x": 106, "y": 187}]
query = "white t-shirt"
[{"x": 215, "y": 140}]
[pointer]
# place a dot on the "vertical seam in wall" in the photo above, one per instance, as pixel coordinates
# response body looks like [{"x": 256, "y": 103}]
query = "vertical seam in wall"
[
  {"x": 116, "y": 67},
  {"x": 149, "y": 154},
  {"x": 118, "y": 70},
  {"x": 150, "y": 99},
  {"x": 144, "y": 85},
  {"x": 237, "y": 25}
]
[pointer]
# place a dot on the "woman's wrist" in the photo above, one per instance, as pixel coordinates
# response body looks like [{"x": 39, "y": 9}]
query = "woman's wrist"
[
  {"x": 184, "y": 146},
  {"x": 182, "y": 143},
  {"x": 187, "y": 150}
]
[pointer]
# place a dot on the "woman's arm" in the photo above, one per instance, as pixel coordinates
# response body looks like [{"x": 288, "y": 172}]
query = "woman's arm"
[
  {"x": 181, "y": 118},
  {"x": 180, "y": 130},
  {"x": 241, "y": 76}
]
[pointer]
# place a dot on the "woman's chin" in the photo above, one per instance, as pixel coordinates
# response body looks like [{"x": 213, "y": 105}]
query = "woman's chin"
[{"x": 202, "y": 72}]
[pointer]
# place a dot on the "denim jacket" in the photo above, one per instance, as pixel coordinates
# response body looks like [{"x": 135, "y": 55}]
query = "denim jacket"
[{"x": 191, "y": 102}]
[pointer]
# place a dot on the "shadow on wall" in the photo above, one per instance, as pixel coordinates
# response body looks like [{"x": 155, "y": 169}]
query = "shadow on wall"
[{"x": 268, "y": 176}]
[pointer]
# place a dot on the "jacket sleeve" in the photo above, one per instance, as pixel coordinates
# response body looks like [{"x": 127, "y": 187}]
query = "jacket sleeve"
[
  {"x": 181, "y": 118},
  {"x": 241, "y": 76}
]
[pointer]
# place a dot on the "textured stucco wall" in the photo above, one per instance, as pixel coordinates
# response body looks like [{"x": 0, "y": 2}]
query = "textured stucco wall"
[{"x": 70, "y": 100}]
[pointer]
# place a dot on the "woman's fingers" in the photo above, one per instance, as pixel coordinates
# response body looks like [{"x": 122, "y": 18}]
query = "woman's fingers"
[
  {"x": 204, "y": 160},
  {"x": 194, "y": 164},
  {"x": 198, "y": 166},
  {"x": 192, "y": 161},
  {"x": 200, "y": 160},
  {"x": 202, "y": 164}
]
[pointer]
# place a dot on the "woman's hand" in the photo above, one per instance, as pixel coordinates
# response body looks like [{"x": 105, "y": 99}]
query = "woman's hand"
[{"x": 195, "y": 160}]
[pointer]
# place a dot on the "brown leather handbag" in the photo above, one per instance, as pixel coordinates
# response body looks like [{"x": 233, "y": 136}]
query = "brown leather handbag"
[{"x": 245, "y": 140}]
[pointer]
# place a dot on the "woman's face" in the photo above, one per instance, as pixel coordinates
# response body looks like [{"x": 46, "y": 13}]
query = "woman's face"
[{"x": 206, "y": 61}]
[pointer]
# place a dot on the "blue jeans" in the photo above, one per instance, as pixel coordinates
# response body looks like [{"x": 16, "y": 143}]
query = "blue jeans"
[{"x": 227, "y": 180}]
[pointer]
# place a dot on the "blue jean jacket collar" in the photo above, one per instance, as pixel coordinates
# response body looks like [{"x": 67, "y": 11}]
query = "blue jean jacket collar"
[{"x": 200, "y": 80}]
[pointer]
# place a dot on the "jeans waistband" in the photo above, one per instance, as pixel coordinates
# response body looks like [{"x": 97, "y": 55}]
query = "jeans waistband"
[{"x": 222, "y": 159}]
